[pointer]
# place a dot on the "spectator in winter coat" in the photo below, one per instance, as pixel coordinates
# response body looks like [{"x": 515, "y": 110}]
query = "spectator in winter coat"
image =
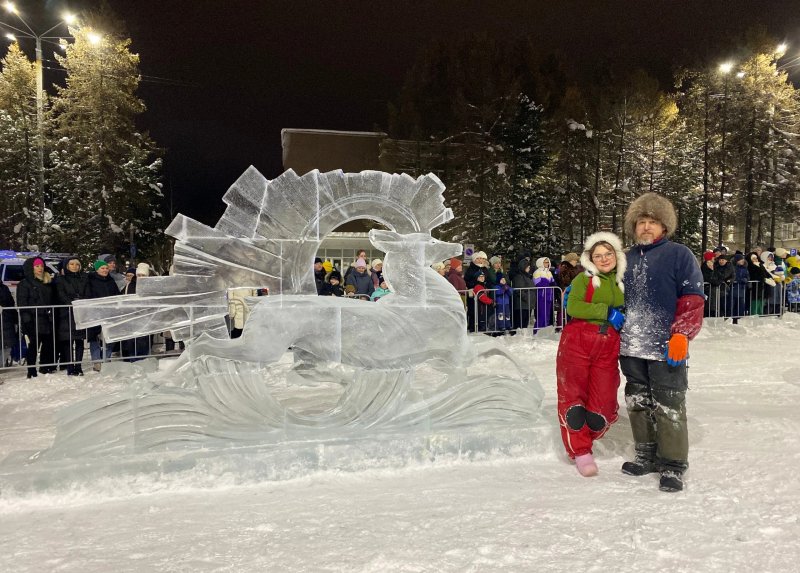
[
  {"x": 543, "y": 279},
  {"x": 495, "y": 266},
  {"x": 587, "y": 371},
  {"x": 319, "y": 274},
  {"x": 484, "y": 302},
  {"x": 360, "y": 280},
  {"x": 377, "y": 272},
  {"x": 36, "y": 289},
  {"x": 134, "y": 349},
  {"x": 72, "y": 285},
  {"x": 9, "y": 320},
  {"x": 101, "y": 285},
  {"x": 568, "y": 269},
  {"x": 439, "y": 268},
  {"x": 523, "y": 293},
  {"x": 118, "y": 277},
  {"x": 479, "y": 264},
  {"x": 502, "y": 301},
  {"x": 454, "y": 277},
  {"x": 360, "y": 254},
  {"x": 664, "y": 311},
  {"x": 717, "y": 276},
  {"x": 381, "y": 291},
  {"x": 761, "y": 284},
  {"x": 737, "y": 297},
  {"x": 333, "y": 286},
  {"x": 793, "y": 290}
]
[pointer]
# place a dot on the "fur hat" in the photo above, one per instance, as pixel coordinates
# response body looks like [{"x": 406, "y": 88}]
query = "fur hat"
[
  {"x": 478, "y": 255},
  {"x": 142, "y": 270},
  {"x": 651, "y": 205},
  {"x": 571, "y": 258},
  {"x": 591, "y": 268}
]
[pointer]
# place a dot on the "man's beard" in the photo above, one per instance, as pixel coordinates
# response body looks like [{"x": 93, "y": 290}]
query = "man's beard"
[{"x": 645, "y": 241}]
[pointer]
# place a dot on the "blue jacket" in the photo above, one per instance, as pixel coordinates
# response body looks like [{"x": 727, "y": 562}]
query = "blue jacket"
[{"x": 656, "y": 277}]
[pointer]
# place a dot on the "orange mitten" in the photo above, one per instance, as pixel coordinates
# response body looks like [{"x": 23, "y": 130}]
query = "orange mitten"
[{"x": 677, "y": 349}]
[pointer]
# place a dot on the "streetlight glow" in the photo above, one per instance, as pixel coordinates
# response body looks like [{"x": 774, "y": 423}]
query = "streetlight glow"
[
  {"x": 740, "y": 75},
  {"x": 94, "y": 38},
  {"x": 781, "y": 49},
  {"x": 726, "y": 67},
  {"x": 11, "y": 37},
  {"x": 70, "y": 18},
  {"x": 10, "y": 7}
]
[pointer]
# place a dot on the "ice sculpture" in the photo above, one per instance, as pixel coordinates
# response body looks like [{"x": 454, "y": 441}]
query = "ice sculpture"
[{"x": 398, "y": 366}]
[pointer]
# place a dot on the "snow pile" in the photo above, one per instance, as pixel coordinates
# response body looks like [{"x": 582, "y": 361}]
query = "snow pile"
[{"x": 528, "y": 513}]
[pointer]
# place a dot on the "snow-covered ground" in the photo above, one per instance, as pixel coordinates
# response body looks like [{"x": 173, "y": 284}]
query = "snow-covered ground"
[{"x": 740, "y": 511}]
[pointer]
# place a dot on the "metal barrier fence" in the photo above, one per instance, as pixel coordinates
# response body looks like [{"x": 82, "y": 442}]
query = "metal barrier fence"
[
  {"x": 738, "y": 300},
  {"x": 43, "y": 336},
  {"x": 494, "y": 311}
]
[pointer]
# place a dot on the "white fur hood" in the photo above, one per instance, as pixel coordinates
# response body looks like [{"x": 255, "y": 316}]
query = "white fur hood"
[{"x": 591, "y": 268}]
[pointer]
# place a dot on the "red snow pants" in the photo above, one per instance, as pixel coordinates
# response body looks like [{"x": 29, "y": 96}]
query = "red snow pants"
[{"x": 587, "y": 375}]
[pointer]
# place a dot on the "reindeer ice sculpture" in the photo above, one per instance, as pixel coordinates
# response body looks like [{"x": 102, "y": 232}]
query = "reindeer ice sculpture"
[{"x": 219, "y": 392}]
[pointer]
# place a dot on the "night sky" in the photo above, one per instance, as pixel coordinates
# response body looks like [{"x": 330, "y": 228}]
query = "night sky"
[{"x": 239, "y": 71}]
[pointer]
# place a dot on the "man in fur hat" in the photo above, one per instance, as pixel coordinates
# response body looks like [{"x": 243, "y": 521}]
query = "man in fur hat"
[{"x": 664, "y": 309}]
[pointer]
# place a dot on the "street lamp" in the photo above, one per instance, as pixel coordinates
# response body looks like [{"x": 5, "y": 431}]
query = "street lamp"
[
  {"x": 29, "y": 33},
  {"x": 725, "y": 69}
]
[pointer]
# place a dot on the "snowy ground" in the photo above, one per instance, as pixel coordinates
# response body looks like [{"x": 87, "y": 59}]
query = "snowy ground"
[{"x": 535, "y": 513}]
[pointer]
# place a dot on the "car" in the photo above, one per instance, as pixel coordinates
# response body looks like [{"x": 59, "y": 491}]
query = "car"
[{"x": 11, "y": 266}]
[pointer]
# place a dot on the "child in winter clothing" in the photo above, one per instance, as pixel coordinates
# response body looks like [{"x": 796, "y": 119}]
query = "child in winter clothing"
[
  {"x": 484, "y": 302},
  {"x": 382, "y": 290},
  {"x": 333, "y": 285},
  {"x": 587, "y": 372},
  {"x": 502, "y": 300},
  {"x": 543, "y": 278}
]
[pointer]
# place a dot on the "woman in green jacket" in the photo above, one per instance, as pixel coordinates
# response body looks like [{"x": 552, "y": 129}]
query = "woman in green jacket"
[{"x": 586, "y": 367}]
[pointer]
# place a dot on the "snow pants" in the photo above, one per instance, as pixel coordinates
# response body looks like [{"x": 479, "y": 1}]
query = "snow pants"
[
  {"x": 587, "y": 374},
  {"x": 655, "y": 395}
]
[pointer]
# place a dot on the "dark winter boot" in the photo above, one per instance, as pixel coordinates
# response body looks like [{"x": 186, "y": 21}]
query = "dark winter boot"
[
  {"x": 643, "y": 463},
  {"x": 32, "y": 373},
  {"x": 671, "y": 480},
  {"x": 78, "y": 371}
]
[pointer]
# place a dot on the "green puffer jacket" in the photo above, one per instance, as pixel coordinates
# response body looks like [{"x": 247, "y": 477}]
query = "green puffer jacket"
[{"x": 608, "y": 294}]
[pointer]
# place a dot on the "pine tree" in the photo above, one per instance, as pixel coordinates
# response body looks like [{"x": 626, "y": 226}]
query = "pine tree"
[
  {"x": 105, "y": 174},
  {"x": 19, "y": 188},
  {"x": 518, "y": 214}
]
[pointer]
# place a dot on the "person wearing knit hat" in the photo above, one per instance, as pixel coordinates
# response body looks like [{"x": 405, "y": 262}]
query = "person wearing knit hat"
[
  {"x": 793, "y": 289},
  {"x": 328, "y": 266},
  {"x": 377, "y": 273},
  {"x": 361, "y": 280},
  {"x": 36, "y": 289},
  {"x": 142, "y": 270},
  {"x": 664, "y": 302},
  {"x": 587, "y": 371},
  {"x": 455, "y": 278},
  {"x": 476, "y": 265},
  {"x": 708, "y": 256},
  {"x": 99, "y": 263}
]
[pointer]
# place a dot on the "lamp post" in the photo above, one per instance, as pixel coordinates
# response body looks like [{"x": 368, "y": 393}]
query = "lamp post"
[
  {"x": 725, "y": 70},
  {"x": 29, "y": 33}
]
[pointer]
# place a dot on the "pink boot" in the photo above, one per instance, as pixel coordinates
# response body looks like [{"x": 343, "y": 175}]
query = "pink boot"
[{"x": 586, "y": 466}]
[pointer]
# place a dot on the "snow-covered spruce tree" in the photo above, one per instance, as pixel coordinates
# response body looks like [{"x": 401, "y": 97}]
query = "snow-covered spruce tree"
[
  {"x": 518, "y": 214},
  {"x": 20, "y": 197},
  {"x": 105, "y": 173}
]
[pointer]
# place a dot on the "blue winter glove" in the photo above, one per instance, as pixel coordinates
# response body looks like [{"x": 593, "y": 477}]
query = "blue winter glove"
[
  {"x": 566, "y": 296},
  {"x": 615, "y": 317}
]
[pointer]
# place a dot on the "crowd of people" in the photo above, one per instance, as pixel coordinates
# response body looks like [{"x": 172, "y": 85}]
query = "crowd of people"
[{"x": 47, "y": 334}]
